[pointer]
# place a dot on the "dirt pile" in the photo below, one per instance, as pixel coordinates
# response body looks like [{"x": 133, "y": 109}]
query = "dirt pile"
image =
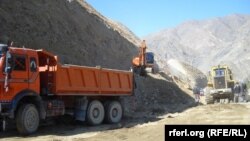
[
  {"x": 155, "y": 95},
  {"x": 73, "y": 30}
]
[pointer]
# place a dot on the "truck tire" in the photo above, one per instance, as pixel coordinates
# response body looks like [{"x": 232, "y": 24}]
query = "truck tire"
[
  {"x": 113, "y": 112},
  {"x": 27, "y": 119},
  {"x": 95, "y": 113},
  {"x": 209, "y": 99}
]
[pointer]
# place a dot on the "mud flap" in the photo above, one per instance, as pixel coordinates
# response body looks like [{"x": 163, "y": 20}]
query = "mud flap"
[{"x": 81, "y": 109}]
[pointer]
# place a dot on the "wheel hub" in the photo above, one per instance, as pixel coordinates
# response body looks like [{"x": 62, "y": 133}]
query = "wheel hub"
[
  {"x": 114, "y": 112},
  {"x": 31, "y": 119},
  {"x": 96, "y": 112}
]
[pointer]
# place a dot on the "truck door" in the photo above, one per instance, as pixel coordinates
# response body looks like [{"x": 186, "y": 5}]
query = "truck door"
[
  {"x": 18, "y": 80},
  {"x": 33, "y": 74}
]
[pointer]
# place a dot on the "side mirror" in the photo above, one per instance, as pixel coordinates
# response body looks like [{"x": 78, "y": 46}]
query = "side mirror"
[{"x": 9, "y": 61}]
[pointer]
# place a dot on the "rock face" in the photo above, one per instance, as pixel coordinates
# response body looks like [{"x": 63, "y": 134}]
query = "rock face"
[
  {"x": 203, "y": 44},
  {"x": 73, "y": 30}
]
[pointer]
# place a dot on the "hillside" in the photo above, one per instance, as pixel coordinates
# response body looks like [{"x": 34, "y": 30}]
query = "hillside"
[
  {"x": 202, "y": 44},
  {"x": 186, "y": 74},
  {"x": 73, "y": 30}
]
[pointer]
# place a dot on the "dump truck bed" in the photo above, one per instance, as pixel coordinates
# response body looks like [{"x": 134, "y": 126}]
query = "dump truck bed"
[{"x": 81, "y": 80}]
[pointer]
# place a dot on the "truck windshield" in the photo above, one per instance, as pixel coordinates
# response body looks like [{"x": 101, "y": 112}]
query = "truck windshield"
[
  {"x": 220, "y": 72},
  {"x": 1, "y": 49},
  {"x": 150, "y": 57}
]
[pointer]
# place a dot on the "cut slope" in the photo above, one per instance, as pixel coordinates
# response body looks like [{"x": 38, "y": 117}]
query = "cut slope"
[{"x": 71, "y": 29}]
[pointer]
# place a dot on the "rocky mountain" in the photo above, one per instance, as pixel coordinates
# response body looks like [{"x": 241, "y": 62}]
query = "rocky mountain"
[
  {"x": 71, "y": 29},
  {"x": 202, "y": 44}
]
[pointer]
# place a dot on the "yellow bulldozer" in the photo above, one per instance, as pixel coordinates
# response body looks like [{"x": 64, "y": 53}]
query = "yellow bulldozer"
[{"x": 220, "y": 84}]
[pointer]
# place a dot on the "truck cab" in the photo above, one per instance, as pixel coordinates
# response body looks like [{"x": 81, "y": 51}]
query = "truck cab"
[
  {"x": 19, "y": 87},
  {"x": 19, "y": 73}
]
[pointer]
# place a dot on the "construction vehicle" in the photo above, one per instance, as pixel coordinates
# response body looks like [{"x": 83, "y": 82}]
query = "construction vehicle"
[
  {"x": 143, "y": 61},
  {"x": 34, "y": 86},
  {"x": 220, "y": 84}
]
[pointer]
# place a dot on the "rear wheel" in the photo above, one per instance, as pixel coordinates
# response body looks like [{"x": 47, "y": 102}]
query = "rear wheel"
[
  {"x": 95, "y": 113},
  {"x": 27, "y": 119},
  {"x": 113, "y": 112}
]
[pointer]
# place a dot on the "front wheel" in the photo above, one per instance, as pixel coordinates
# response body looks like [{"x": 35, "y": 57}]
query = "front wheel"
[{"x": 27, "y": 119}]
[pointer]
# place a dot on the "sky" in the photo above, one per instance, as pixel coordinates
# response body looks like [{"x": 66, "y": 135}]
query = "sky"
[{"x": 148, "y": 16}]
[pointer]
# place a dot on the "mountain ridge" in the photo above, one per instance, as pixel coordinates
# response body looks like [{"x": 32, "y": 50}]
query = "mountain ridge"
[{"x": 206, "y": 43}]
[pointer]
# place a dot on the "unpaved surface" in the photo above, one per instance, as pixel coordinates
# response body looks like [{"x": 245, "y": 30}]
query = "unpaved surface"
[{"x": 142, "y": 130}]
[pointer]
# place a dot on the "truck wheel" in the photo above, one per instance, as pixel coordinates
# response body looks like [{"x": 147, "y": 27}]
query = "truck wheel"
[
  {"x": 27, "y": 119},
  {"x": 95, "y": 113},
  {"x": 209, "y": 99},
  {"x": 113, "y": 112}
]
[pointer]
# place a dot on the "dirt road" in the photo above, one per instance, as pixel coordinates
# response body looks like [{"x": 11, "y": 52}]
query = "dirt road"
[{"x": 140, "y": 129}]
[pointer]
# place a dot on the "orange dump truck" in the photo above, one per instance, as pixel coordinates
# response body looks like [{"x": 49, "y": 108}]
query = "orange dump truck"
[{"x": 34, "y": 86}]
